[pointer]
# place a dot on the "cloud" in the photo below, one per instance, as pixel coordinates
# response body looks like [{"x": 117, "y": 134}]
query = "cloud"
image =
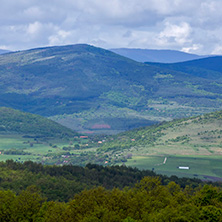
[
  {"x": 173, "y": 33},
  {"x": 34, "y": 28},
  {"x": 60, "y": 37},
  {"x": 192, "y": 48},
  {"x": 218, "y": 50},
  {"x": 192, "y": 26}
]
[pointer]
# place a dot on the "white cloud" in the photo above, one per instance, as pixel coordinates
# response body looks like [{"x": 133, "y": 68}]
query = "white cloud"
[
  {"x": 192, "y": 26},
  {"x": 34, "y": 28},
  {"x": 177, "y": 34},
  {"x": 3, "y": 47},
  {"x": 61, "y": 37},
  {"x": 33, "y": 12},
  {"x": 217, "y": 50},
  {"x": 193, "y": 48}
]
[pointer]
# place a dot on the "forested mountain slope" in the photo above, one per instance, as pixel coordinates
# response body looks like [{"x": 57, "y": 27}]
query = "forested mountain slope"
[
  {"x": 208, "y": 68},
  {"x": 95, "y": 90},
  {"x": 17, "y": 122}
]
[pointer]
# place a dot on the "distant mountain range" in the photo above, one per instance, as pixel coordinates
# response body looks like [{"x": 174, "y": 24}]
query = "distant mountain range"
[
  {"x": 209, "y": 68},
  {"x": 2, "y": 51},
  {"x": 154, "y": 55},
  {"x": 95, "y": 90}
]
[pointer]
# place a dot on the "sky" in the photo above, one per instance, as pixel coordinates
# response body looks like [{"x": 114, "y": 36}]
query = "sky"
[{"x": 192, "y": 26}]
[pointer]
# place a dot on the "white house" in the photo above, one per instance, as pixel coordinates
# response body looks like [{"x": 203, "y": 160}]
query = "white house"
[{"x": 184, "y": 168}]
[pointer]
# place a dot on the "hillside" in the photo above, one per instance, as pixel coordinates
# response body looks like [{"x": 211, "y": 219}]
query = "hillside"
[
  {"x": 195, "y": 142},
  {"x": 17, "y": 122},
  {"x": 91, "y": 89},
  {"x": 208, "y": 68},
  {"x": 203, "y": 132},
  {"x": 154, "y": 55}
]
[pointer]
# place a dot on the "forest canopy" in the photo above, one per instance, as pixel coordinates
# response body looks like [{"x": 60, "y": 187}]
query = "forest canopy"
[{"x": 33, "y": 192}]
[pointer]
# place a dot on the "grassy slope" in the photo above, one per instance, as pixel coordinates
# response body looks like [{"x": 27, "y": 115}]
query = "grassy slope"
[
  {"x": 197, "y": 135},
  {"x": 195, "y": 142},
  {"x": 26, "y": 136}
]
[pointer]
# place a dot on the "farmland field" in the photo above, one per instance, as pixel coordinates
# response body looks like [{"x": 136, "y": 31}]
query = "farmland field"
[
  {"x": 199, "y": 166},
  {"x": 36, "y": 149}
]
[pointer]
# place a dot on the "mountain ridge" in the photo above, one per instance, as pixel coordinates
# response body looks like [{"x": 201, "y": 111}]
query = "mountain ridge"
[
  {"x": 3, "y": 51},
  {"x": 209, "y": 68},
  {"x": 82, "y": 86},
  {"x": 156, "y": 55}
]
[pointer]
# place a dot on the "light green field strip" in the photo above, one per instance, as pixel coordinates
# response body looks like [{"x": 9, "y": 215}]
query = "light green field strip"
[{"x": 198, "y": 166}]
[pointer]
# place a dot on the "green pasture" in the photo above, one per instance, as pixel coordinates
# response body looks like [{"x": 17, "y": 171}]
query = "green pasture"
[
  {"x": 19, "y": 158},
  {"x": 13, "y": 142},
  {"x": 36, "y": 148},
  {"x": 145, "y": 162},
  {"x": 199, "y": 166}
]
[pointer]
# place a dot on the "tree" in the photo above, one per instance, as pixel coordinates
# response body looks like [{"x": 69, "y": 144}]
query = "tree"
[
  {"x": 6, "y": 200},
  {"x": 27, "y": 205}
]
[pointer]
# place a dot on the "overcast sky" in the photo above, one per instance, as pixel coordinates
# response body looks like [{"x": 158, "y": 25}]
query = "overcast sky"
[{"x": 189, "y": 25}]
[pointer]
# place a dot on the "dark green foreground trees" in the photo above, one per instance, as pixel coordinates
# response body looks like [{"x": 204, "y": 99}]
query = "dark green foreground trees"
[
  {"x": 146, "y": 201},
  {"x": 33, "y": 192},
  {"x": 61, "y": 183}
]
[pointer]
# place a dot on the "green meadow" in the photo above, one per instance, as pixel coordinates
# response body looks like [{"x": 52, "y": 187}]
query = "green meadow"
[
  {"x": 202, "y": 167},
  {"x": 36, "y": 149}
]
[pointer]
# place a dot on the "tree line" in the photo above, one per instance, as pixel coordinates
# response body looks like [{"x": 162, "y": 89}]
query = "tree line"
[
  {"x": 60, "y": 183},
  {"x": 148, "y": 200}
]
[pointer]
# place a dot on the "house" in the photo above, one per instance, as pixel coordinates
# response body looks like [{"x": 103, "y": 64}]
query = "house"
[
  {"x": 184, "y": 167},
  {"x": 83, "y": 137}
]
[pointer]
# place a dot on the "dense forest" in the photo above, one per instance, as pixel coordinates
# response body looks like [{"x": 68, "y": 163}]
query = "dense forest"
[
  {"x": 33, "y": 192},
  {"x": 60, "y": 183},
  {"x": 15, "y": 121}
]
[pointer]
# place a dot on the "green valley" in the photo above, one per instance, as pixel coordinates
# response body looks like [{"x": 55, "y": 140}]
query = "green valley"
[
  {"x": 194, "y": 143},
  {"x": 100, "y": 95},
  {"x": 26, "y": 136}
]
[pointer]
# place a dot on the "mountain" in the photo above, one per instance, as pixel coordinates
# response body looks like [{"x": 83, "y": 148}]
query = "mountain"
[
  {"x": 93, "y": 90},
  {"x": 154, "y": 55},
  {"x": 209, "y": 68},
  {"x": 15, "y": 121},
  {"x": 2, "y": 51}
]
